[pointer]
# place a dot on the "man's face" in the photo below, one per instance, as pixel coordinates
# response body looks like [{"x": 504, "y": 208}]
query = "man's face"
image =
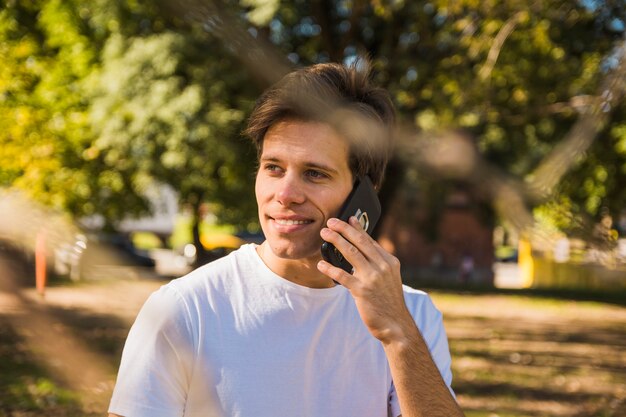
[{"x": 303, "y": 179}]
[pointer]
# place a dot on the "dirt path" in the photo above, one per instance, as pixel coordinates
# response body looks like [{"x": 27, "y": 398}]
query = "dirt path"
[{"x": 121, "y": 299}]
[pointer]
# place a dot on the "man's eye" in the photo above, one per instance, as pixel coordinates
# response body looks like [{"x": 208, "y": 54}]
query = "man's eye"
[
  {"x": 271, "y": 167},
  {"x": 316, "y": 174}
]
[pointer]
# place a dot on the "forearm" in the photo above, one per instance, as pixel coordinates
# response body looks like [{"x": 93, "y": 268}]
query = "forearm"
[{"x": 420, "y": 388}]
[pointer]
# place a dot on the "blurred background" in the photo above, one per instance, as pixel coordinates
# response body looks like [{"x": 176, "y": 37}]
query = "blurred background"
[{"x": 122, "y": 165}]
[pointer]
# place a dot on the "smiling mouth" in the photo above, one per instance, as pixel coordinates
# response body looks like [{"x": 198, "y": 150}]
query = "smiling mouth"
[{"x": 284, "y": 222}]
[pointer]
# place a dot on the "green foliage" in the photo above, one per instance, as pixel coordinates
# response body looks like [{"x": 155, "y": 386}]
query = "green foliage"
[
  {"x": 511, "y": 73},
  {"x": 164, "y": 109},
  {"x": 557, "y": 216},
  {"x": 51, "y": 53},
  {"x": 102, "y": 100},
  {"x": 261, "y": 11}
]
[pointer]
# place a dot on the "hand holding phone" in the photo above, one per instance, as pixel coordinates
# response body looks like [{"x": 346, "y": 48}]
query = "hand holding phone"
[{"x": 362, "y": 203}]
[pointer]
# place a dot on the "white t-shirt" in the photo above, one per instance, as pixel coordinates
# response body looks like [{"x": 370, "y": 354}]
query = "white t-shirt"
[{"x": 234, "y": 339}]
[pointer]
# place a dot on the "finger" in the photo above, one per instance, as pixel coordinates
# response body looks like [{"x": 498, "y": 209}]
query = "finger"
[
  {"x": 355, "y": 234},
  {"x": 337, "y": 274},
  {"x": 347, "y": 249},
  {"x": 372, "y": 254},
  {"x": 381, "y": 251}
]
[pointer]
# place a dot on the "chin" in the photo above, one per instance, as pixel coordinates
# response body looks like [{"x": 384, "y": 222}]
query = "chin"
[{"x": 293, "y": 252}]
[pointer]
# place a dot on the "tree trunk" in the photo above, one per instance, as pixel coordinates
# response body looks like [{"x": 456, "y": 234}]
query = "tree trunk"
[
  {"x": 394, "y": 176},
  {"x": 202, "y": 255}
]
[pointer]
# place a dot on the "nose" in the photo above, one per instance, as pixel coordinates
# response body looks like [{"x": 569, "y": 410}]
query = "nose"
[{"x": 290, "y": 191}]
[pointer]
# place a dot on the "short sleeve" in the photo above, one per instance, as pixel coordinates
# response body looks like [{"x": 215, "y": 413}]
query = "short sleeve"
[
  {"x": 429, "y": 321},
  {"x": 157, "y": 360},
  {"x": 393, "y": 408}
]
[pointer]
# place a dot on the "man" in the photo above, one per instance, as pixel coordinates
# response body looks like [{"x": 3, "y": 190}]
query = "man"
[{"x": 266, "y": 331}]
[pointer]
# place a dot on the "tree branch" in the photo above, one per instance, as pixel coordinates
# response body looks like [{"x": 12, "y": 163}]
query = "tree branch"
[
  {"x": 321, "y": 11},
  {"x": 496, "y": 47},
  {"x": 592, "y": 120}
]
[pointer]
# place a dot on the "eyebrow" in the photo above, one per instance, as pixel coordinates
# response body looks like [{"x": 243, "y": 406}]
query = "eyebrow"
[{"x": 313, "y": 165}]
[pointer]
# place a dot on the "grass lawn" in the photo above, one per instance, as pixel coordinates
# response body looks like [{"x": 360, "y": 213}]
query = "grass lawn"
[
  {"x": 514, "y": 354},
  {"x": 528, "y": 355},
  {"x": 26, "y": 388}
]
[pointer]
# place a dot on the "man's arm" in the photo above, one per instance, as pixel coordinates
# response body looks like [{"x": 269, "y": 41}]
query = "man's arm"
[
  {"x": 376, "y": 286},
  {"x": 114, "y": 415},
  {"x": 420, "y": 388}
]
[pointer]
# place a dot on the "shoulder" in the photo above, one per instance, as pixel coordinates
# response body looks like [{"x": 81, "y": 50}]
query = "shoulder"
[
  {"x": 165, "y": 316},
  {"x": 421, "y": 307},
  {"x": 417, "y": 299},
  {"x": 215, "y": 275},
  {"x": 198, "y": 293},
  {"x": 429, "y": 320},
  {"x": 183, "y": 304}
]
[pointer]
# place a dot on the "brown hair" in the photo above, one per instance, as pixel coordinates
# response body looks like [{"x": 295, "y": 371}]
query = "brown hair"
[{"x": 341, "y": 96}]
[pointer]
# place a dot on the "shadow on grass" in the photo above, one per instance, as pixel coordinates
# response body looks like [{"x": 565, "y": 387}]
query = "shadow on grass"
[
  {"x": 102, "y": 333},
  {"x": 26, "y": 387},
  {"x": 572, "y": 404},
  {"x": 568, "y": 331},
  {"x": 524, "y": 393},
  {"x": 31, "y": 384},
  {"x": 550, "y": 365},
  {"x": 53, "y": 361}
]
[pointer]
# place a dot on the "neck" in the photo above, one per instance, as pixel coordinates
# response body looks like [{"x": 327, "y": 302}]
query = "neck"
[{"x": 301, "y": 271}]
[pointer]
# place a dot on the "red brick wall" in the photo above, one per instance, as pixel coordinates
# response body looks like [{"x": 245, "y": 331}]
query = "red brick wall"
[{"x": 459, "y": 233}]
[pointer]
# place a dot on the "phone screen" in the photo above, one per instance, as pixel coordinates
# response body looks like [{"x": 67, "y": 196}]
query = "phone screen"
[{"x": 362, "y": 203}]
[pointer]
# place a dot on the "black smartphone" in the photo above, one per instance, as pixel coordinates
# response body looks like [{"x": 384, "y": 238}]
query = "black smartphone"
[{"x": 362, "y": 203}]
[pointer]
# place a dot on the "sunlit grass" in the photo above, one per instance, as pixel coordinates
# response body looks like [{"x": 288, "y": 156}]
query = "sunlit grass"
[
  {"x": 527, "y": 300},
  {"x": 146, "y": 240},
  {"x": 182, "y": 233}
]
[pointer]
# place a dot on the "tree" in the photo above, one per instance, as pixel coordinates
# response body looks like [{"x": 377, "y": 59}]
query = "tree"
[
  {"x": 106, "y": 99},
  {"x": 167, "y": 109},
  {"x": 101, "y": 99},
  {"x": 50, "y": 51},
  {"x": 513, "y": 74},
  {"x": 35, "y": 154}
]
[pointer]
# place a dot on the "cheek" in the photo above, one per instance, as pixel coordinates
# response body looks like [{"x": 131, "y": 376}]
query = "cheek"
[
  {"x": 258, "y": 190},
  {"x": 335, "y": 202}
]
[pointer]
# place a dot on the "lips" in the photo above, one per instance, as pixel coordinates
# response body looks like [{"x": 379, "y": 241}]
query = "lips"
[{"x": 288, "y": 222}]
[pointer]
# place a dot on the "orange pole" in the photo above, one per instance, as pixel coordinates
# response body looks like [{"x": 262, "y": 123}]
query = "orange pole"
[{"x": 40, "y": 263}]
